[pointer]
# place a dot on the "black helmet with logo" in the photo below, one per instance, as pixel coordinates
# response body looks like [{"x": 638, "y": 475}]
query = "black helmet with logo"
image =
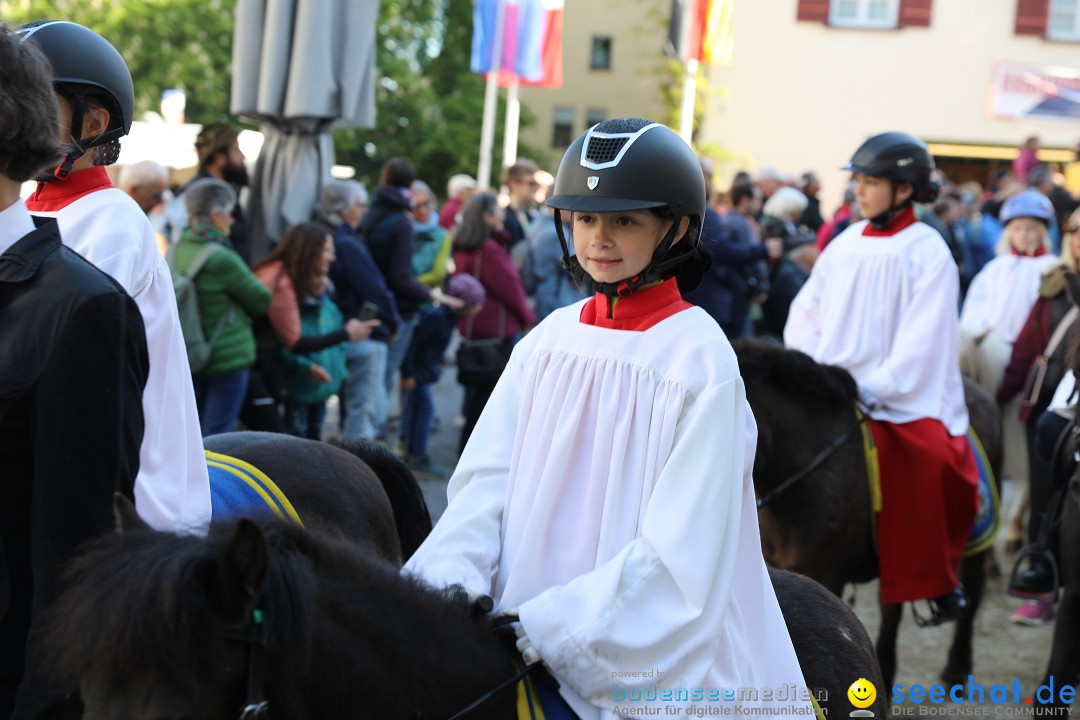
[
  {"x": 86, "y": 64},
  {"x": 632, "y": 164},
  {"x": 900, "y": 157}
]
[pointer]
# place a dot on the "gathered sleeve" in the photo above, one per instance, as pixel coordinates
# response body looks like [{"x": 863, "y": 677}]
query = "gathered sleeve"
[
  {"x": 928, "y": 323},
  {"x": 661, "y": 601}
]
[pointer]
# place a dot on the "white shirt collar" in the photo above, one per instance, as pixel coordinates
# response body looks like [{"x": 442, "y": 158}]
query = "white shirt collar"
[{"x": 15, "y": 224}]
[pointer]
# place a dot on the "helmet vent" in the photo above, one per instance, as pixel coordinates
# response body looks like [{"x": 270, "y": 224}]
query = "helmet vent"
[{"x": 604, "y": 149}]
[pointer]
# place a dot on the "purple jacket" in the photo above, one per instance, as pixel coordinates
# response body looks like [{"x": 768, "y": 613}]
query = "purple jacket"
[{"x": 503, "y": 286}]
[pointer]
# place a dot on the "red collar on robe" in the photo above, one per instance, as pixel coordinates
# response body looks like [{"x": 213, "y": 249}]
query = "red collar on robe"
[
  {"x": 1038, "y": 252},
  {"x": 903, "y": 219},
  {"x": 638, "y": 311},
  {"x": 58, "y": 194}
]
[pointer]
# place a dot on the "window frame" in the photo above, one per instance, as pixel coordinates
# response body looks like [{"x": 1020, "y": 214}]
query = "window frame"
[
  {"x": 556, "y": 139},
  {"x": 1053, "y": 33},
  {"x": 862, "y": 21},
  {"x": 596, "y": 39}
]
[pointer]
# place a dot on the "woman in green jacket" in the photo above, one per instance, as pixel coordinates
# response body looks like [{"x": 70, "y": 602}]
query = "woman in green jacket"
[{"x": 229, "y": 297}]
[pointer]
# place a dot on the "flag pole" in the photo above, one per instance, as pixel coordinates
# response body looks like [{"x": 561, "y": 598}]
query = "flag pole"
[
  {"x": 491, "y": 100},
  {"x": 513, "y": 118},
  {"x": 686, "y": 124}
]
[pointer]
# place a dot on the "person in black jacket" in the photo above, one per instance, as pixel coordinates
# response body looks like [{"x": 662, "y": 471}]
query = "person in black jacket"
[
  {"x": 726, "y": 288},
  {"x": 388, "y": 233},
  {"x": 73, "y": 364}
]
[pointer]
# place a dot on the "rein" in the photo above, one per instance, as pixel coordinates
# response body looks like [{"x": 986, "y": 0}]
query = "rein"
[
  {"x": 490, "y": 695},
  {"x": 253, "y": 632},
  {"x": 818, "y": 459}
]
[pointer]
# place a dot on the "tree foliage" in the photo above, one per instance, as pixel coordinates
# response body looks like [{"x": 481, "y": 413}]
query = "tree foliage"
[
  {"x": 429, "y": 105},
  {"x": 167, "y": 44}
]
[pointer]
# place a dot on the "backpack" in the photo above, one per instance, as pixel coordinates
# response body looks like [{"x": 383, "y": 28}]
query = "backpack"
[{"x": 199, "y": 348}]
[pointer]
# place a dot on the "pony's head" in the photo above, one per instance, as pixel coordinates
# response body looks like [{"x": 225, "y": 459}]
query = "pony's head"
[{"x": 147, "y": 628}]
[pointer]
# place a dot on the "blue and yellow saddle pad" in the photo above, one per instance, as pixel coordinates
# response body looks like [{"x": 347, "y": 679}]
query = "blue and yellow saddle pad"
[
  {"x": 239, "y": 489},
  {"x": 987, "y": 519}
]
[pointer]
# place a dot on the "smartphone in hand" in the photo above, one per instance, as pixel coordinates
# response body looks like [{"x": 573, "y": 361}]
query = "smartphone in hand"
[{"x": 369, "y": 311}]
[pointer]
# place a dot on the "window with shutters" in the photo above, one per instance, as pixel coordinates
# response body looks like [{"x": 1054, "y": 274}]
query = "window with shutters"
[
  {"x": 864, "y": 13},
  {"x": 1063, "y": 20}
]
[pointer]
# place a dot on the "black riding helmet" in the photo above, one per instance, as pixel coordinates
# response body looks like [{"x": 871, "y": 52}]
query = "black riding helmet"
[
  {"x": 899, "y": 157},
  {"x": 86, "y": 64},
  {"x": 634, "y": 164}
]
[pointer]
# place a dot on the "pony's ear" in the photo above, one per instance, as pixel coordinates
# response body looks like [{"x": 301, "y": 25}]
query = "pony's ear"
[
  {"x": 242, "y": 570},
  {"x": 1072, "y": 287},
  {"x": 127, "y": 517}
]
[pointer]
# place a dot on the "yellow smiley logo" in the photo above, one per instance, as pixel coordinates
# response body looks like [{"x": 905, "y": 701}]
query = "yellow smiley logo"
[{"x": 862, "y": 693}]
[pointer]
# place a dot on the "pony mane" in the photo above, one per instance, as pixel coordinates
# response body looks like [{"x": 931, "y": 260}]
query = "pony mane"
[
  {"x": 411, "y": 513},
  {"x": 794, "y": 373}
]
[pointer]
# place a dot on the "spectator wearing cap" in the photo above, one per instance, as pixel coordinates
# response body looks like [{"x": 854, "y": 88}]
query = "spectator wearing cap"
[
  {"x": 218, "y": 148},
  {"x": 422, "y": 366},
  {"x": 458, "y": 191}
]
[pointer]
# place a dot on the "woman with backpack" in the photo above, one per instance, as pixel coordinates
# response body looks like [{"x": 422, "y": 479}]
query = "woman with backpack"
[{"x": 229, "y": 296}]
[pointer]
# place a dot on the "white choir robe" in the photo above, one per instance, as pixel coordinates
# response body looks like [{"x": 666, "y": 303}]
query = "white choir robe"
[
  {"x": 884, "y": 308},
  {"x": 172, "y": 489},
  {"x": 1002, "y": 294},
  {"x": 606, "y": 494}
]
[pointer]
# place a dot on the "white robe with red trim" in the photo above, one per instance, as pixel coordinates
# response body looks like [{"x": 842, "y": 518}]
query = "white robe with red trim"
[
  {"x": 884, "y": 308},
  {"x": 172, "y": 489},
  {"x": 606, "y": 493},
  {"x": 1002, "y": 294}
]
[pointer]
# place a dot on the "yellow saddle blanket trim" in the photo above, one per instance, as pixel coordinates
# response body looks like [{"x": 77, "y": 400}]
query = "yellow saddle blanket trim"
[
  {"x": 258, "y": 481},
  {"x": 528, "y": 701},
  {"x": 873, "y": 472}
]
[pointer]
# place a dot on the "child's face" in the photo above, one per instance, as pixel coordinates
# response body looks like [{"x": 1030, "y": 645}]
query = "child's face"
[
  {"x": 616, "y": 246},
  {"x": 1025, "y": 235},
  {"x": 874, "y": 194}
]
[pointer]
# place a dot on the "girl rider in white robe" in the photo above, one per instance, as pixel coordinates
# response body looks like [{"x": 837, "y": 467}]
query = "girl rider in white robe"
[{"x": 606, "y": 497}]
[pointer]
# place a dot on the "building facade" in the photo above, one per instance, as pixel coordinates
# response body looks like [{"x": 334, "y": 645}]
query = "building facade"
[
  {"x": 811, "y": 79},
  {"x": 613, "y": 65}
]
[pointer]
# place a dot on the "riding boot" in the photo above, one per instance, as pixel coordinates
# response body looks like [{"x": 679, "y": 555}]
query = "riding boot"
[
  {"x": 1038, "y": 580},
  {"x": 950, "y": 606}
]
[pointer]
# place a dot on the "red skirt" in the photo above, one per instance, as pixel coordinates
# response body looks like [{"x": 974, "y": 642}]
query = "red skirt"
[{"x": 929, "y": 497}]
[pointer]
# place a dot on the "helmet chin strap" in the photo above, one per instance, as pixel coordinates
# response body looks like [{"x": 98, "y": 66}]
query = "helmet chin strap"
[
  {"x": 658, "y": 268},
  {"x": 883, "y": 220},
  {"x": 106, "y": 146}
]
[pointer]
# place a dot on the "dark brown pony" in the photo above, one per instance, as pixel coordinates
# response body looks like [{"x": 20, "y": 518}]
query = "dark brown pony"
[
  {"x": 155, "y": 626},
  {"x": 821, "y": 525}
]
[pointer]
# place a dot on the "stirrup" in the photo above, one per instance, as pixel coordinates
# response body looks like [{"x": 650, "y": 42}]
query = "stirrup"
[
  {"x": 1035, "y": 551},
  {"x": 937, "y": 614}
]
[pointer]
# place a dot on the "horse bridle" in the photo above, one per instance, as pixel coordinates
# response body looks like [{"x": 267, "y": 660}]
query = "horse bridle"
[
  {"x": 491, "y": 694},
  {"x": 819, "y": 459},
  {"x": 253, "y": 633}
]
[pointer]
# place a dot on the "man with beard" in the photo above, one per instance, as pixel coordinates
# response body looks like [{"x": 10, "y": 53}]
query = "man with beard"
[
  {"x": 104, "y": 225},
  {"x": 219, "y": 157}
]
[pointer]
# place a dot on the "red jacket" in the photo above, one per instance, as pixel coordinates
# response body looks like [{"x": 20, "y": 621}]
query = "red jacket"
[{"x": 503, "y": 286}]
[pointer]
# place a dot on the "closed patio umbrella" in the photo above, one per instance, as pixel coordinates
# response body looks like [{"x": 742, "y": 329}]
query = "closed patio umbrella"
[{"x": 300, "y": 68}]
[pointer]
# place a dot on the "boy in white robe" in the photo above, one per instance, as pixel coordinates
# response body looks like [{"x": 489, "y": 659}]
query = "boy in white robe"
[
  {"x": 104, "y": 225},
  {"x": 605, "y": 497},
  {"x": 881, "y": 303}
]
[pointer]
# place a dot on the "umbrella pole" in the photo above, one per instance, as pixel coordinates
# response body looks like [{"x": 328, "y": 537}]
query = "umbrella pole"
[{"x": 491, "y": 98}]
